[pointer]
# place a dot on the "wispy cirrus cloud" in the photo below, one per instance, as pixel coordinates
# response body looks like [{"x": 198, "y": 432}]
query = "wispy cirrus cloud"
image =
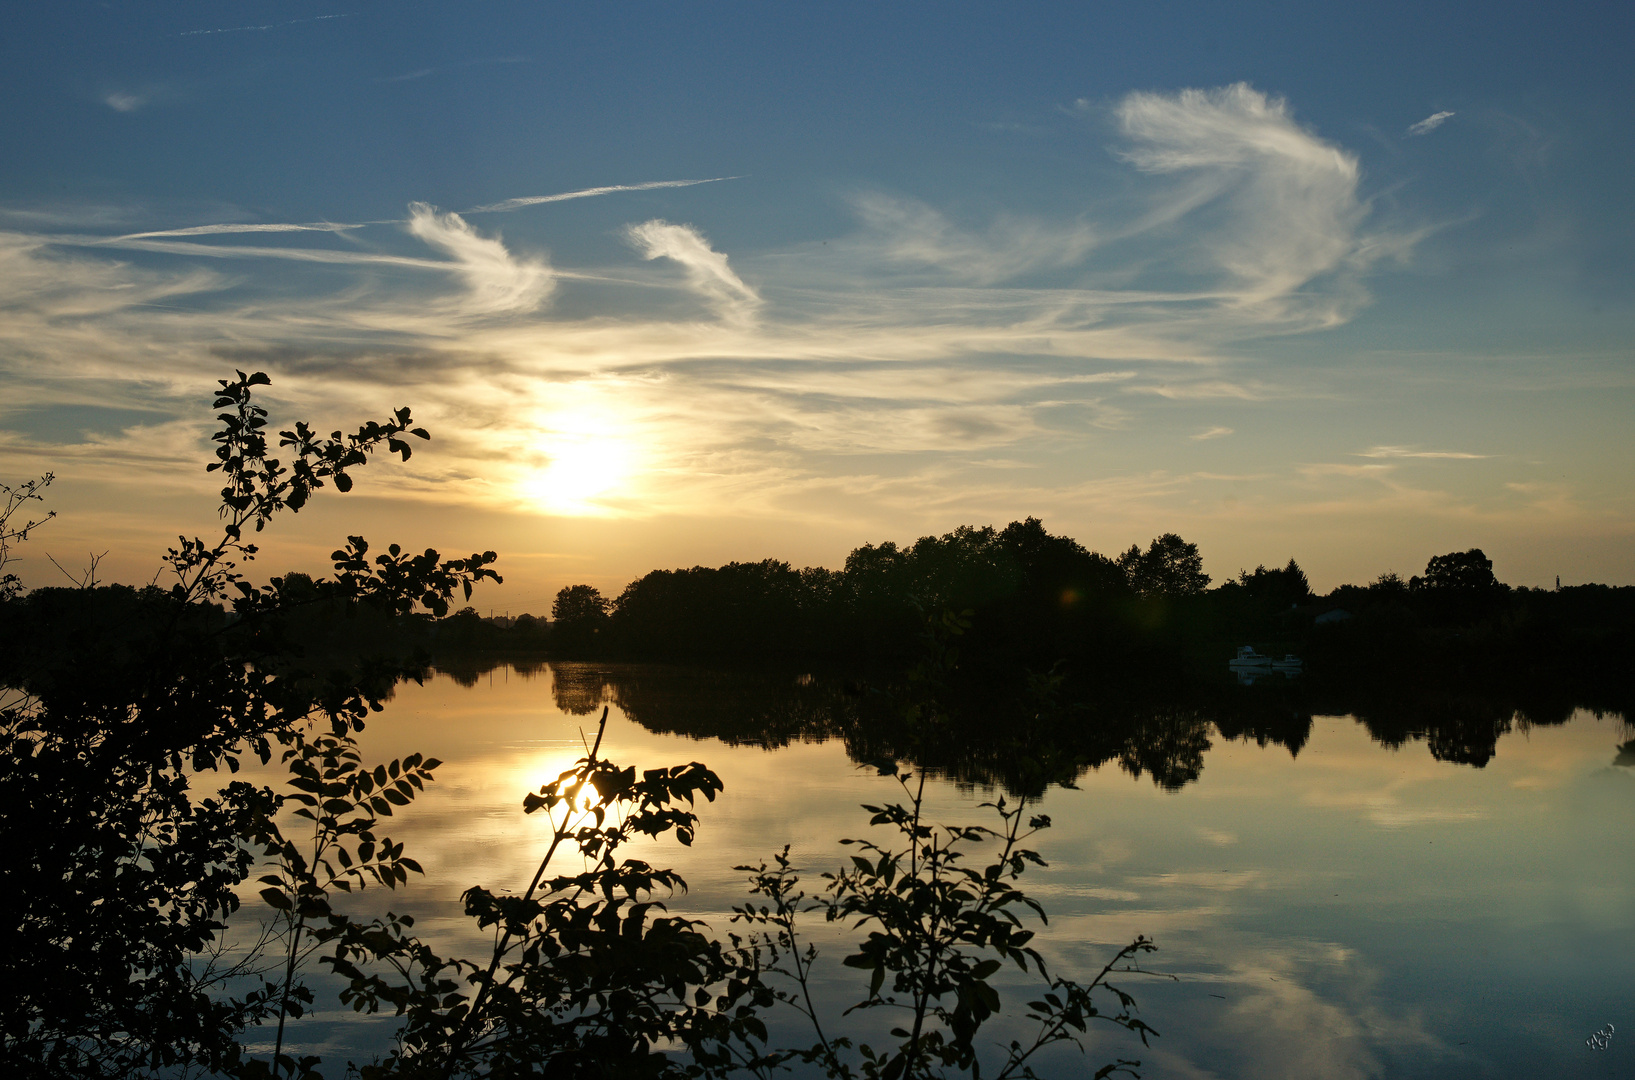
[
  {"x": 1201, "y": 390},
  {"x": 1211, "y": 433},
  {"x": 496, "y": 281},
  {"x": 1357, "y": 472},
  {"x": 1288, "y": 210},
  {"x": 906, "y": 232},
  {"x": 706, "y": 268},
  {"x": 421, "y": 73},
  {"x": 1412, "y": 452},
  {"x": 1430, "y": 123},
  {"x": 128, "y": 99}
]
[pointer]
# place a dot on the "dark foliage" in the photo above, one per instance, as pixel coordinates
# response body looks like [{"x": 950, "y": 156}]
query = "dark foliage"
[
  {"x": 578, "y": 618},
  {"x": 1109, "y": 628},
  {"x": 1169, "y": 567},
  {"x": 15, "y": 526},
  {"x": 120, "y": 706},
  {"x": 1032, "y": 593}
]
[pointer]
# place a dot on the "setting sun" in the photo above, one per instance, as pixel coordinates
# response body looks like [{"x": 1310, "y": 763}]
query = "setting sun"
[{"x": 580, "y": 470}]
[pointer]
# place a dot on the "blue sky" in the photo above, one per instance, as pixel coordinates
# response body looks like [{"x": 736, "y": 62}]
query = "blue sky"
[{"x": 1349, "y": 285}]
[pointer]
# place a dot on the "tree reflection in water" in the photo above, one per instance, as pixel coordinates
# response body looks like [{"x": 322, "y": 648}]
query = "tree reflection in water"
[{"x": 1026, "y": 738}]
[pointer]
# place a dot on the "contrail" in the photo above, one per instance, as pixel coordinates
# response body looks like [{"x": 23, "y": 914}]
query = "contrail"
[
  {"x": 268, "y": 26},
  {"x": 491, "y": 208},
  {"x": 210, "y": 230},
  {"x": 535, "y": 200}
]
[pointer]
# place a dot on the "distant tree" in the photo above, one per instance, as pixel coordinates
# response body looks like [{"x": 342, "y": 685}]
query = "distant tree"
[
  {"x": 578, "y": 616},
  {"x": 876, "y": 585},
  {"x": 1295, "y": 580},
  {"x": 580, "y": 604},
  {"x": 1277, "y": 588},
  {"x": 1058, "y": 569},
  {"x": 1388, "y": 584},
  {"x": 741, "y": 609},
  {"x": 298, "y": 586},
  {"x": 1169, "y": 567},
  {"x": 1461, "y": 571},
  {"x": 966, "y": 568}
]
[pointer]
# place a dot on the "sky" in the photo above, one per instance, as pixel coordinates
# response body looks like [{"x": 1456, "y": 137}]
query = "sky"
[{"x": 686, "y": 283}]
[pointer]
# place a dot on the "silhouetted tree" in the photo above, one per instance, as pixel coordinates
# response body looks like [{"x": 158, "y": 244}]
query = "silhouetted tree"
[
  {"x": 1169, "y": 567},
  {"x": 1277, "y": 588},
  {"x": 1389, "y": 584},
  {"x": 1460, "y": 571},
  {"x": 737, "y": 611},
  {"x": 1459, "y": 588},
  {"x": 579, "y": 604},
  {"x": 1057, "y": 570},
  {"x": 578, "y": 618},
  {"x": 528, "y": 632}
]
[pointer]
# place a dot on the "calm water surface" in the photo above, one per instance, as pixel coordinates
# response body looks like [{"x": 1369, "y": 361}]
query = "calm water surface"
[{"x": 1350, "y": 910}]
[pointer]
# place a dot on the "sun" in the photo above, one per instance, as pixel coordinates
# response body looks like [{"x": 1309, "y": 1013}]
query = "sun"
[{"x": 581, "y": 470}]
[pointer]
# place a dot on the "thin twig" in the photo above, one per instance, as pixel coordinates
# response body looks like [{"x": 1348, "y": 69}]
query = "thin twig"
[{"x": 560, "y": 834}]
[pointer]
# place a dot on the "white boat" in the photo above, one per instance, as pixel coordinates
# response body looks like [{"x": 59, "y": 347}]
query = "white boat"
[
  {"x": 1249, "y": 660},
  {"x": 1249, "y": 665}
]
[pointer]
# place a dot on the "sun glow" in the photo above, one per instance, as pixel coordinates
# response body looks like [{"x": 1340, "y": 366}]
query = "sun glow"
[{"x": 581, "y": 472}]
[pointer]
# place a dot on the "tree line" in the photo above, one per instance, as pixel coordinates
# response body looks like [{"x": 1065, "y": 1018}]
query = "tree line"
[
  {"x": 1034, "y": 598},
  {"x": 1021, "y": 583}
]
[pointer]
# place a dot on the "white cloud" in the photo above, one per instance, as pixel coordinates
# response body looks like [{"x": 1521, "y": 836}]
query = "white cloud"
[
  {"x": 1410, "y": 452},
  {"x": 41, "y": 288},
  {"x": 904, "y": 231},
  {"x": 1201, "y": 389},
  {"x": 707, "y": 269},
  {"x": 119, "y": 101},
  {"x": 1430, "y": 123},
  {"x": 1212, "y": 433},
  {"x": 496, "y": 282},
  {"x": 1284, "y": 202},
  {"x": 1356, "y": 472}
]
